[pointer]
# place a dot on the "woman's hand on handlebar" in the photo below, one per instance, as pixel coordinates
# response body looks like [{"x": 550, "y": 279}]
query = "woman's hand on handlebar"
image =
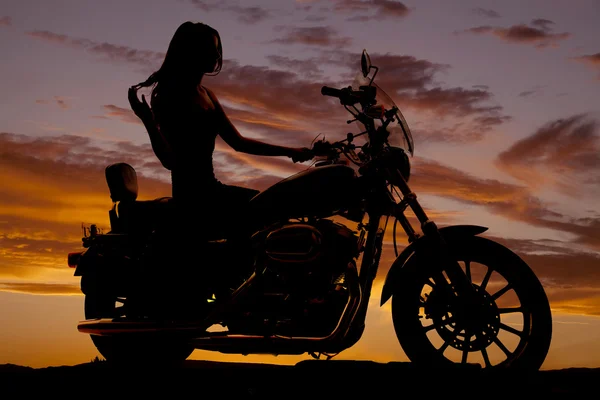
[
  {"x": 322, "y": 148},
  {"x": 301, "y": 154}
]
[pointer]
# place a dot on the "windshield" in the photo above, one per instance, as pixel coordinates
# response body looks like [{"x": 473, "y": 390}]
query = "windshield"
[{"x": 399, "y": 131}]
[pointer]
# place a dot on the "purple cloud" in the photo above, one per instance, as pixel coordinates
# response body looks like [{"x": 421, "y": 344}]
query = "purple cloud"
[{"x": 539, "y": 34}]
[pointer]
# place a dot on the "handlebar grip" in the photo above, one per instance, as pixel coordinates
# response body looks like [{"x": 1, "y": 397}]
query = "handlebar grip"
[{"x": 329, "y": 91}]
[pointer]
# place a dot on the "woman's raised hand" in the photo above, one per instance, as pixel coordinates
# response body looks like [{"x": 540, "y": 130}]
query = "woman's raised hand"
[{"x": 140, "y": 108}]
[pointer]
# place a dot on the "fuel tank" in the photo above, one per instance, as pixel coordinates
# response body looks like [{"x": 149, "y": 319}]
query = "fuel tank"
[{"x": 319, "y": 192}]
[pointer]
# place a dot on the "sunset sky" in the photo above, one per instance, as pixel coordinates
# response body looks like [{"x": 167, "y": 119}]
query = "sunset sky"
[{"x": 503, "y": 99}]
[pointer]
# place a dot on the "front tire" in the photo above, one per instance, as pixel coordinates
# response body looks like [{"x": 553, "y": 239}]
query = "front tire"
[{"x": 511, "y": 326}]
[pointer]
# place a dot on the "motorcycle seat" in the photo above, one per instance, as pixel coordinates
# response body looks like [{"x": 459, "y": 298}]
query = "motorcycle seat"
[
  {"x": 129, "y": 214},
  {"x": 142, "y": 215}
]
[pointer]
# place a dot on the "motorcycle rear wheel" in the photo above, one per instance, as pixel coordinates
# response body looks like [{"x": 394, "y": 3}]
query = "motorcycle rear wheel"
[
  {"x": 511, "y": 327},
  {"x": 137, "y": 349}
]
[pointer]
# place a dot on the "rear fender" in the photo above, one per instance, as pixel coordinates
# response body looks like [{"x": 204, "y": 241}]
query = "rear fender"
[
  {"x": 447, "y": 232},
  {"x": 85, "y": 262}
]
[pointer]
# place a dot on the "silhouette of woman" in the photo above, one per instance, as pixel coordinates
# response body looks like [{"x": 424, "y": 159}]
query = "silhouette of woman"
[
  {"x": 185, "y": 119},
  {"x": 183, "y": 122}
]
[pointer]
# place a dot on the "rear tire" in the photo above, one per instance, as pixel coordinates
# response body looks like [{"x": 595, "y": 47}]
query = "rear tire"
[
  {"x": 131, "y": 349},
  {"x": 434, "y": 332}
]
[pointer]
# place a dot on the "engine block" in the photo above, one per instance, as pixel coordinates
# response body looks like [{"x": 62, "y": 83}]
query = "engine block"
[{"x": 303, "y": 289}]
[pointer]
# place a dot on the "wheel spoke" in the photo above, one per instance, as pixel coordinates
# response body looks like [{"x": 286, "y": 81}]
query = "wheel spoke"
[
  {"x": 510, "y": 310},
  {"x": 468, "y": 270},
  {"x": 444, "y": 347},
  {"x": 512, "y": 330},
  {"x": 486, "y": 278},
  {"x": 438, "y": 279},
  {"x": 447, "y": 342},
  {"x": 446, "y": 322},
  {"x": 486, "y": 358},
  {"x": 502, "y": 346},
  {"x": 466, "y": 349},
  {"x": 501, "y": 291}
]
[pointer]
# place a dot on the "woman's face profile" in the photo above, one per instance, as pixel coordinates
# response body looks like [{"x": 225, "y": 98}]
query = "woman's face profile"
[{"x": 214, "y": 55}]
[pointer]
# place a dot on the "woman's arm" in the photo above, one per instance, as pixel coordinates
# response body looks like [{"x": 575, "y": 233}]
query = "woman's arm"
[{"x": 233, "y": 138}]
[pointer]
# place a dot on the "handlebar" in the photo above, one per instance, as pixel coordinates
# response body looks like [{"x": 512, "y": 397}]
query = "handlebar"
[
  {"x": 329, "y": 91},
  {"x": 349, "y": 97}
]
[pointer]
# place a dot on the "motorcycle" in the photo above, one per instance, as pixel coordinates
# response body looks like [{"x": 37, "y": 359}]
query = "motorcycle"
[{"x": 313, "y": 256}]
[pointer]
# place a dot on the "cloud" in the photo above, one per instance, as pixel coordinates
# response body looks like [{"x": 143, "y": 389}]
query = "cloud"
[
  {"x": 564, "y": 154},
  {"x": 308, "y": 68},
  {"x": 462, "y": 132},
  {"x": 247, "y": 15},
  {"x": 365, "y": 10},
  {"x": 513, "y": 202},
  {"x": 591, "y": 60},
  {"x": 316, "y": 18},
  {"x": 41, "y": 288},
  {"x": 6, "y": 21},
  {"x": 109, "y": 52},
  {"x": 553, "y": 262},
  {"x": 291, "y": 96},
  {"x": 122, "y": 114},
  {"x": 281, "y": 99},
  {"x": 543, "y": 24},
  {"x": 458, "y": 101},
  {"x": 485, "y": 12},
  {"x": 251, "y": 15},
  {"x": 53, "y": 184},
  {"x": 205, "y": 5},
  {"x": 312, "y": 36},
  {"x": 530, "y": 92},
  {"x": 538, "y": 34},
  {"x": 58, "y": 100},
  {"x": 412, "y": 83}
]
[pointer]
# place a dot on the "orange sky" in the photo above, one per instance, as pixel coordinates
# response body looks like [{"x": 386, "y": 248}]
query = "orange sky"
[{"x": 503, "y": 104}]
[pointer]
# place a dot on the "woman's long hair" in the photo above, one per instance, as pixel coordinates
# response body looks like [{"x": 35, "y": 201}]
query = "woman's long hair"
[{"x": 191, "y": 49}]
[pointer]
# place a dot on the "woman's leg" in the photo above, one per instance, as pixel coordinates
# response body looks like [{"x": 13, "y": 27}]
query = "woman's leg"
[{"x": 234, "y": 210}]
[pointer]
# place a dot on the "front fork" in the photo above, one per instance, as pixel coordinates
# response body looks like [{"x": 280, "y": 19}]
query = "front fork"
[{"x": 440, "y": 256}]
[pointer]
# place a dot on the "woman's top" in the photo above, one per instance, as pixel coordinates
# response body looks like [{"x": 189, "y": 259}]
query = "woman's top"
[{"x": 191, "y": 129}]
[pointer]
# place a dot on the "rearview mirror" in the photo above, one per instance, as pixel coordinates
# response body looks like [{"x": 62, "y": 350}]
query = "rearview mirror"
[{"x": 365, "y": 63}]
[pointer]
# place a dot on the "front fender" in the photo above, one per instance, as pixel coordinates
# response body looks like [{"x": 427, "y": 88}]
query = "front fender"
[{"x": 447, "y": 233}]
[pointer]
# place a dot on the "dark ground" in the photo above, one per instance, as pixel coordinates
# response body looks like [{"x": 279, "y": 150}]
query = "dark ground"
[{"x": 307, "y": 379}]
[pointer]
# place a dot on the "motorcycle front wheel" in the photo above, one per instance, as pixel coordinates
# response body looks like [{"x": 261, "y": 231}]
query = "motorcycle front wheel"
[
  {"x": 138, "y": 349},
  {"x": 509, "y": 325}
]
